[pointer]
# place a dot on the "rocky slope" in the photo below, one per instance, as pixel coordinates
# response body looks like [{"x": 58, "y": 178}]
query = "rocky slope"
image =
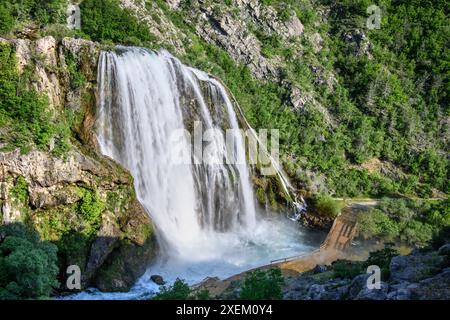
[
  {"x": 82, "y": 201},
  {"x": 420, "y": 275},
  {"x": 302, "y": 48}
]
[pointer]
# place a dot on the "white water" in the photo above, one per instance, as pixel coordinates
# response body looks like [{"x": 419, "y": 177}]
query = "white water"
[{"x": 205, "y": 214}]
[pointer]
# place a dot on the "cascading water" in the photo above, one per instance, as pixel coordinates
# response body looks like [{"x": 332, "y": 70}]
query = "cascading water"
[
  {"x": 204, "y": 210},
  {"x": 141, "y": 108}
]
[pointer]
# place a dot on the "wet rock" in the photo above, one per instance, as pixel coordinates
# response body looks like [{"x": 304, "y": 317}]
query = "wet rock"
[
  {"x": 297, "y": 289},
  {"x": 125, "y": 265},
  {"x": 157, "y": 279}
]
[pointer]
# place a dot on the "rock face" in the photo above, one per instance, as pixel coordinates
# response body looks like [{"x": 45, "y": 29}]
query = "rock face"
[
  {"x": 414, "y": 267},
  {"x": 157, "y": 279},
  {"x": 82, "y": 201},
  {"x": 420, "y": 275}
]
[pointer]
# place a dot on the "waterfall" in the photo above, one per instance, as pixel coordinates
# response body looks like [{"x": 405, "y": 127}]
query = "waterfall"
[
  {"x": 145, "y": 97},
  {"x": 204, "y": 211}
]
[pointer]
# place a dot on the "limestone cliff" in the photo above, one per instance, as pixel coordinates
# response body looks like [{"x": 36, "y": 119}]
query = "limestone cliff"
[{"x": 82, "y": 201}]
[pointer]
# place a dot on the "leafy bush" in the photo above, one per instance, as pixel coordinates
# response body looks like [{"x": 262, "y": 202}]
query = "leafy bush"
[
  {"x": 91, "y": 207},
  {"x": 382, "y": 258},
  {"x": 180, "y": 290},
  {"x": 20, "y": 190},
  {"x": 24, "y": 113},
  {"x": 77, "y": 78},
  {"x": 417, "y": 233},
  {"x": 104, "y": 20},
  {"x": 347, "y": 269},
  {"x": 41, "y": 11},
  {"x": 412, "y": 221},
  {"x": 326, "y": 206},
  {"x": 6, "y": 20},
  {"x": 262, "y": 285},
  {"x": 28, "y": 266},
  {"x": 377, "y": 224}
]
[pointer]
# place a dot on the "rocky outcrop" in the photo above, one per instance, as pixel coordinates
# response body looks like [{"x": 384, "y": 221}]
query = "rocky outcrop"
[
  {"x": 166, "y": 33},
  {"x": 420, "y": 275},
  {"x": 414, "y": 267},
  {"x": 80, "y": 200},
  {"x": 55, "y": 195}
]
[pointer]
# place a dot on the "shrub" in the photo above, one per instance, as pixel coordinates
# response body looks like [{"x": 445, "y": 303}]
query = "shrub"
[
  {"x": 262, "y": 285},
  {"x": 377, "y": 224},
  {"x": 91, "y": 207},
  {"x": 415, "y": 222},
  {"x": 105, "y": 20},
  {"x": 28, "y": 266},
  {"x": 347, "y": 269},
  {"x": 180, "y": 290},
  {"x": 417, "y": 233},
  {"x": 6, "y": 20},
  {"x": 20, "y": 190},
  {"x": 41, "y": 11},
  {"x": 23, "y": 111},
  {"x": 326, "y": 206},
  {"x": 382, "y": 258}
]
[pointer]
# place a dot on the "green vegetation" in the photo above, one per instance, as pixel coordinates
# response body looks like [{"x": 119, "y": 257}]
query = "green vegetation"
[
  {"x": 15, "y": 12},
  {"x": 22, "y": 109},
  {"x": 262, "y": 285},
  {"x": 326, "y": 206},
  {"x": 104, "y": 20},
  {"x": 24, "y": 115},
  {"x": 20, "y": 190},
  {"x": 412, "y": 221},
  {"x": 91, "y": 207},
  {"x": 28, "y": 265},
  {"x": 180, "y": 290},
  {"x": 382, "y": 258},
  {"x": 346, "y": 269},
  {"x": 6, "y": 20},
  {"x": 77, "y": 78}
]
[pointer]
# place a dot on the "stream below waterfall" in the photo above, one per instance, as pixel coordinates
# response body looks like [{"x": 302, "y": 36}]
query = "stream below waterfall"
[{"x": 273, "y": 239}]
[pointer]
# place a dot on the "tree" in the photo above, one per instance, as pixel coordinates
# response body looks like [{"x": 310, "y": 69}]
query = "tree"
[
  {"x": 261, "y": 285},
  {"x": 28, "y": 266},
  {"x": 6, "y": 20}
]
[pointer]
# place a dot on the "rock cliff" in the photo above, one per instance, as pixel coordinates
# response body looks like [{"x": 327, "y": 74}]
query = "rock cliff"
[{"x": 82, "y": 201}]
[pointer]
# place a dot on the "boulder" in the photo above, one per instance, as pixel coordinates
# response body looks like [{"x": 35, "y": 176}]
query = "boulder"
[
  {"x": 373, "y": 294},
  {"x": 414, "y": 267},
  {"x": 156, "y": 278},
  {"x": 434, "y": 288},
  {"x": 357, "y": 285},
  {"x": 320, "y": 268},
  {"x": 444, "y": 250}
]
